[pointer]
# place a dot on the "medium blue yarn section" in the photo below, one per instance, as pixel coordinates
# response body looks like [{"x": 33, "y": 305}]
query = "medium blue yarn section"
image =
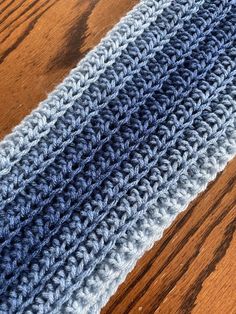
[{"x": 93, "y": 176}]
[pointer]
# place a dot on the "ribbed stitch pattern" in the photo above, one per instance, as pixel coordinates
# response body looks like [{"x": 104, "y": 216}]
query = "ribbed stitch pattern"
[{"x": 92, "y": 177}]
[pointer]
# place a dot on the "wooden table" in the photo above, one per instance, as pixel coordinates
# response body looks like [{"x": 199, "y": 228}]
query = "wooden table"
[{"x": 192, "y": 269}]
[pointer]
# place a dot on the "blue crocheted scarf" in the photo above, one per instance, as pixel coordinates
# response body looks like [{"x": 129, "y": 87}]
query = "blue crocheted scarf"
[{"x": 93, "y": 176}]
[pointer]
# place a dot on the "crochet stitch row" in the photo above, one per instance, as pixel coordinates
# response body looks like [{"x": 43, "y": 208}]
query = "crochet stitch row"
[{"x": 97, "y": 172}]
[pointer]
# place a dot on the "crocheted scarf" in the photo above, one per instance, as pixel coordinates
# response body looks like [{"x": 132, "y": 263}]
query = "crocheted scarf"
[{"x": 93, "y": 176}]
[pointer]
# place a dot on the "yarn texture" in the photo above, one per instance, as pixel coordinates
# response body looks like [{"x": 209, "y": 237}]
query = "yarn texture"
[{"x": 93, "y": 176}]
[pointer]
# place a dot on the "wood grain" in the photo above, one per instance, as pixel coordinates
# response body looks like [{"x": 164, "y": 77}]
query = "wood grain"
[
  {"x": 192, "y": 268},
  {"x": 41, "y": 41}
]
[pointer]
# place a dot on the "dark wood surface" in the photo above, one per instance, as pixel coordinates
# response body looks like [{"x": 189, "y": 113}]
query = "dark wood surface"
[{"x": 192, "y": 269}]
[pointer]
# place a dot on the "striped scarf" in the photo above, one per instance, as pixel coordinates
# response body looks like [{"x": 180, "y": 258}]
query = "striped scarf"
[{"x": 93, "y": 176}]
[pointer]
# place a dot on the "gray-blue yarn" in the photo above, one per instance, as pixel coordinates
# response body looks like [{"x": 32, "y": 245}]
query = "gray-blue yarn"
[{"x": 95, "y": 174}]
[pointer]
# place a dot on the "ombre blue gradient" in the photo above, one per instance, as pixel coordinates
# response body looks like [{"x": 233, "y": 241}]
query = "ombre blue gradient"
[{"x": 96, "y": 173}]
